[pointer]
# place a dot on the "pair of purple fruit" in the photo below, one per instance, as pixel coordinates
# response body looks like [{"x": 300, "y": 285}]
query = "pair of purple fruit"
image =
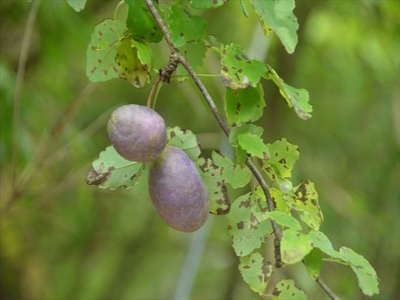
[{"x": 138, "y": 133}]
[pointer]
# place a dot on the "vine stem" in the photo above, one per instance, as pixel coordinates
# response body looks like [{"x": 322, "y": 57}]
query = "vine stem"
[
  {"x": 152, "y": 93},
  {"x": 210, "y": 102}
]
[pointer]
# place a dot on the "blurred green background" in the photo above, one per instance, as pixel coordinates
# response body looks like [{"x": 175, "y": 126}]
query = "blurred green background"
[{"x": 62, "y": 239}]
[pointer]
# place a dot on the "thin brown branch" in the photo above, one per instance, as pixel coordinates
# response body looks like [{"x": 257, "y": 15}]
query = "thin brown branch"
[
  {"x": 327, "y": 289},
  {"x": 22, "y": 60},
  {"x": 210, "y": 102}
]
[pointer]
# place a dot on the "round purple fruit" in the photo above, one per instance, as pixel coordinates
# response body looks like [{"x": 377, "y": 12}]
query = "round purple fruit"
[
  {"x": 137, "y": 132},
  {"x": 177, "y": 191}
]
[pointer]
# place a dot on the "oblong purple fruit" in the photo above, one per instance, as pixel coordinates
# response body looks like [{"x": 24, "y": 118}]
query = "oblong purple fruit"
[
  {"x": 177, "y": 191},
  {"x": 137, "y": 132}
]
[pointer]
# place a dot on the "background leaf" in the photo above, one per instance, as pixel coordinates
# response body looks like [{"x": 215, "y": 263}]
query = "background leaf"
[
  {"x": 111, "y": 171},
  {"x": 184, "y": 27},
  {"x": 238, "y": 70},
  {"x": 286, "y": 290},
  {"x": 284, "y": 219},
  {"x": 133, "y": 60},
  {"x": 101, "y": 65},
  {"x": 294, "y": 246},
  {"x": 217, "y": 193},
  {"x": 141, "y": 23},
  {"x": 185, "y": 140},
  {"x": 277, "y": 15},
  {"x": 207, "y": 3},
  {"x": 237, "y": 176},
  {"x": 247, "y": 223},
  {"x": 296, "y": 98},
  {"x": 283, "y": 156},
  {"x": 244, "y": 105},
  {"x": 255, "y": 272},
  {"x": 366, "y": 275},
  {"x": 253, "y": 145},
  {"x": 306, "y": 202},
  {"x": 78, "y": 5},
  {"x": 313, "y": 263}
]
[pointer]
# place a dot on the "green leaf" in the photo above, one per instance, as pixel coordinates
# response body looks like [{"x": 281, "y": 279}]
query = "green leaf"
[
  {"x": 195, "y": 53},
  {"x": 296, "y": 98},
  {"x": 141, "y": 23},
  {"x": 283, "y": 156},
  {"x": 219, "y": 203},
  {"x": 238, "y": 70},
  {"x": 207, "y": 3},
  {"x": 253, "y": 145},
  {"x": 294, "y": 246},
  {"x": 277, "y": 15},
  {"x": 244, "y": 129},
  {"x": 133, "y": 62},
  {"x": 366, "y": 275},
  {"x": 244, "y": 105},
  {"x": 101, "y": 65},
  {"x": 284, "y": 219},
  {"x": 306, "y": 202},
  {"x": 185, "y": 140},
  {"x": 255, "y": 272},
  {"x": 77, "y": 5},
  {"x": 111, "y": 171},
  {"x": 279, "y": 200},
  {"x": 247, "y": 223},
  {"x": 313, "y": 263},
  {"x": 286, "y": 290},
  {"x": 184, "y": 27},
  {"x": 237, "y": 176},
  {"x": 321, "y": 241}
]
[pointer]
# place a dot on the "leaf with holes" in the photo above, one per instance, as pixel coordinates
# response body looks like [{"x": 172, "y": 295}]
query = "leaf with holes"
[
  {"x": 77, "y": 5},
  {"x": 306, "y": 202},
  {"x": 283, "y": 156},
  {"x": 253, "y": 145},
  {"x": 366, "y": 275},
  {"x": 247, "y": 222},
  {"x": 287, "y": 290},
  {"x": 296, "y": 98},
  {"x": 237, "y": 176},
  {"x": 244, "y": 105},
  {"x": 141, "y": 23},
  {"x": 277, "y": 15},
  {"x": 255, "y": 272},
  {"x": 185, "y": 140},
  {"x": 238, "y": 70},
  {"x": 294, "y": 246},
  {"x": 240, "y": 153},
  {"x": 207, "y": 3},
  {"x": 103, "y": 47},
  {"x": 133, "y": 61},
  {"x": 111, "y": 171},
  {"x": 280, "y": 200},
  {"x": 219, "y": 203},
  {"x": 184, "y": 27}
]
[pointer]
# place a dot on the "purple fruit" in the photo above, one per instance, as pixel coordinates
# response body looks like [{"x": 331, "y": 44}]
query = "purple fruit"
[
  {"x": 137, "y": 132},
  {"x": 177, "y": 191}
]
